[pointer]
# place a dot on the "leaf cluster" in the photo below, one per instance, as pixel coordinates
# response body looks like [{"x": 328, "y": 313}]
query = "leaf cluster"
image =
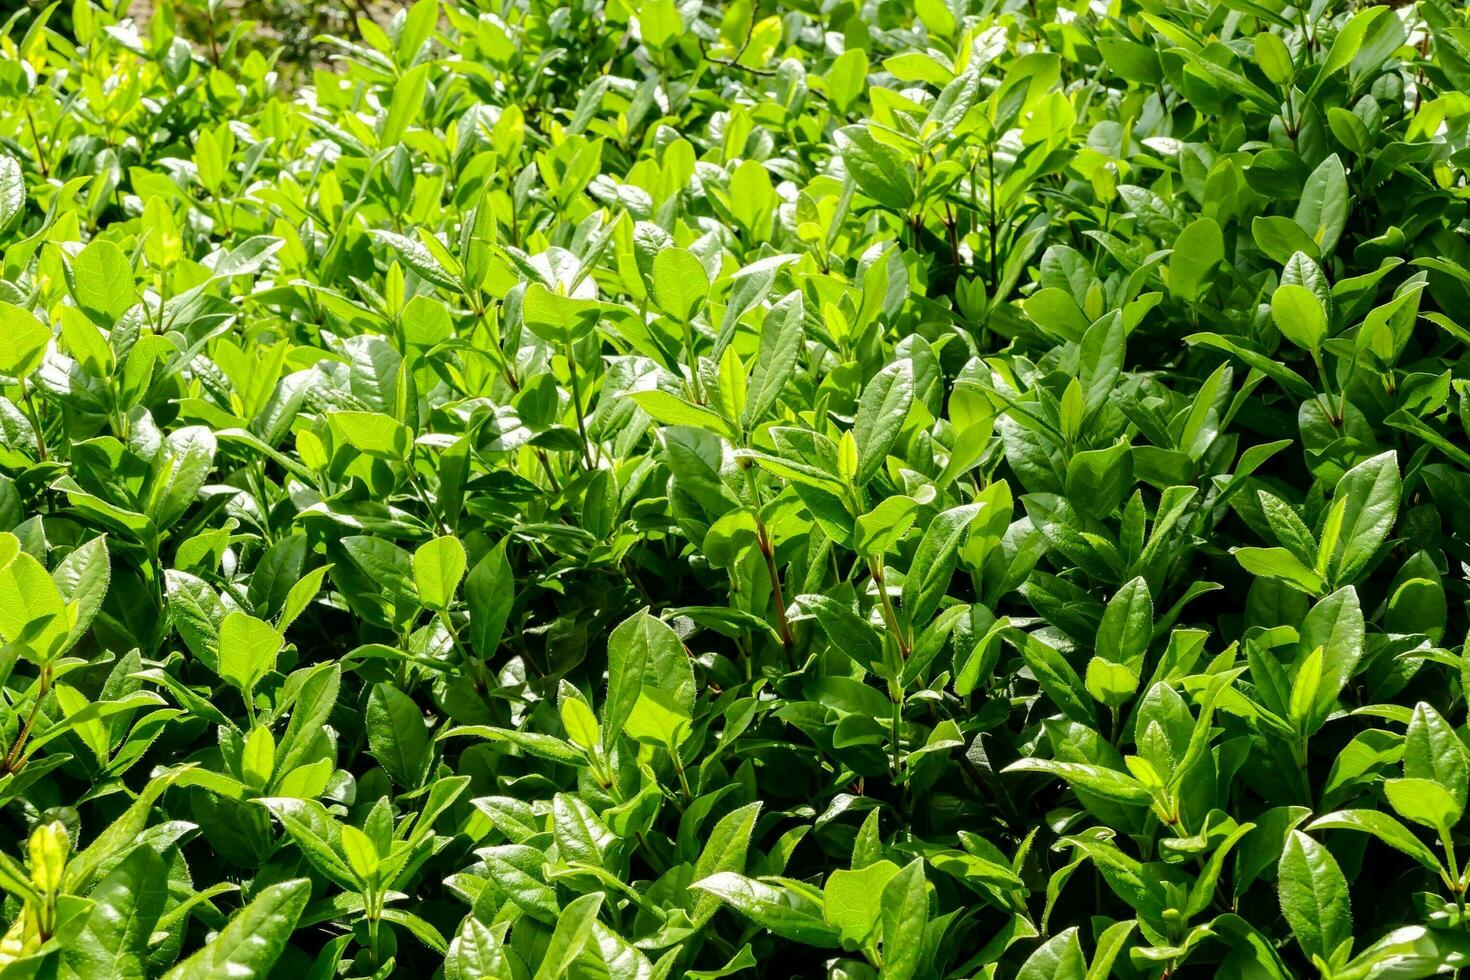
[{"x": 640, "y": 489}]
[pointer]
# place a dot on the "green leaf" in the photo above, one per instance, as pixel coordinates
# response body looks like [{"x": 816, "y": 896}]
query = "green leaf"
[
  {"x": 315, "y": 834},
  {"x": 555, "y": 318},
  {"x": 476, "y": 953},
  {"x": 1058, "y": 679},
  {"x": 1274, "y": 58},
  {"x": 725, "y": 849},
  {"x": 546, "y": 747},
  {"x": 680, "y": 284},
  {"x": 1323, "y": 210},
  {"x": 82, "y": 579},
  {"x": 1433, "y": 751},
  {"x": 853, "y": 900},
  {"x": 1127, "y": 626},
  {"x": 659, "y": 23},
  {"x": 1056, "y": 311},
  {"x": 86, "y": 342},
  {"x": 1299, "y": 315},
  {"x": 13, "y": 190},
  {"x": 1385, "y": 828},
  {"x": 406, "y": 105},
  {"x": 315, "y": 697},
  {"x": 1107, "y": 783},
  {"x": 373, "y": 433},
  {"x": 774, "y": 904},
  {"x": 23, "y": 341},
  {"x": 905, "y": 906},
  {"x": 648, "y": 670},
  {"x": 438, "y": 566},
  {"x": 1424, "y": 802},
  {"x": 1110, "y": 683},
  {"x": 1282, "y": 565},
  {"x": 397, "y": 735},
  {"x": 879, "y": 170},
  {"x": 1314, "y": 899},
  {"x": 782, "y": 336},
  {"x": 254, "y": 939},
  {"x": 953, "y": 104},
  {"x": 489, "y": 591},
  {"x": 1127, "y": 878},
  {"x": 1288, "y": 379},
  {"x": 881, "y": 412},
  {"x": 1346, "y": 44},
  {"x": 102, "y": 282},
  {"x": 1059, "y": 958},
  {"x": 1369, "y": 495},
  {"x": 1110, "y": 945},
  {"x": 189, "y": 455},
  {"x": 579, "y": 721},
  {"x": 573, "y": 932},
  {"x": 1131, "y": 60},
  {"x": 670, "y": 409},
  {"x": 925, "y": 585},
  {"x": 847, "y": 78},
  {"x": 247, "y": 650},
  {"x": 1335, "y": 624},
  {"x": 114, "y": 942},
  {"x": 1199, "y": 248}
]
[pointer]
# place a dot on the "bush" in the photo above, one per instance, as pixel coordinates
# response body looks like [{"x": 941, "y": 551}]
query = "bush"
[{"x": 640, "y": 489}]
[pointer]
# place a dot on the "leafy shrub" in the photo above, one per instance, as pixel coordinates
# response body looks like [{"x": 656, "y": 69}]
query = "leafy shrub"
[{"x": 641, "y": 489}]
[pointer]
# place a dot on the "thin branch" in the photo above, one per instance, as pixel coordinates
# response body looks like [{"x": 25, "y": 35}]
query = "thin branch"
[{"x": 735, "y": 62}]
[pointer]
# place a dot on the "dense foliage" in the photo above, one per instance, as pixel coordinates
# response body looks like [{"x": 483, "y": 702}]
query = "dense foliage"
[{"x": 636, "y": 489}]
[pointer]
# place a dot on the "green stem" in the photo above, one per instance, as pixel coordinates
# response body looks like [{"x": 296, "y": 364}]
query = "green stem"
[
  {"x": 36, "y": 136},
  {"x": 649, "y": 854},
  {"x": 12, "y": 758},
  {"x": 476, "y": 666},
  {"x": 896, "y": 723},
  {"x": 213, "y": 45},
  {"x": 990, "y": 221},
  {"x": 35, "y": 418},
  {"x": 372, "y": 924},
  {"x": 875, "y": 568},
  {"x": 1457, "y": 887},
  {"x": 546, "y": 468},
  {"x": 1300, "y": 750},
  {"x": 683, "y": 779},
  {"x": 763, "y": 541},
  {"x": 424, "y": 498},
  {"x": 577, "y": 404},
  {"x": 1326, "y": 398},
  {"x": 693, "y": 382},
  {"x": 497, "y": 350}
]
